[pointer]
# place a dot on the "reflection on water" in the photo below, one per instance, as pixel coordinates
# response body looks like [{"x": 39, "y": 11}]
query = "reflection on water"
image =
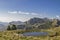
[{"x": 35, "y": 34}]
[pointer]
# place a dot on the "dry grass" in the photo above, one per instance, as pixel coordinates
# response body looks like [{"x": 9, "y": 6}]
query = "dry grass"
[{"x": 12, "y": 35}]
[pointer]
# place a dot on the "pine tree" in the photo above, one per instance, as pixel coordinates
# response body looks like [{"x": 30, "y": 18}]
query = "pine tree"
[
  {"x": 13, "y": 27},
  {"x": 8, "y": 28}
]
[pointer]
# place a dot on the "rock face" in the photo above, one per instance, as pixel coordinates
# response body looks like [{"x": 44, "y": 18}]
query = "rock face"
[
  {"x": 35, "y": 20},
  {"x": 41, "y": 23},
  {"x": 16, "y": 22},
  {"x": 20, "y": 26}
]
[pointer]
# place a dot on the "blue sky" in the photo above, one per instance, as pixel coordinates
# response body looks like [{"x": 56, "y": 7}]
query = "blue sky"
[{"x": 23, "y": 10}]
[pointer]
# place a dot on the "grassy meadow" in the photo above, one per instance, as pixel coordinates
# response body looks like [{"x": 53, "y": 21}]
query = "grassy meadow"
[{"x": 16, "y": 35}]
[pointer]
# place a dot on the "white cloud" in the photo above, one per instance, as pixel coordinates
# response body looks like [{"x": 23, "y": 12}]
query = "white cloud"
[
  {"x": 26, "y": 13},
  {"x": 34, "y": 14},
  {"x": 12, "y": 12},
  {"x": 9, "y": 19},
  {"x": 23, "y": 13},
  {"x": 5, "y": 19},
  {"x": 57, "y": 16}
]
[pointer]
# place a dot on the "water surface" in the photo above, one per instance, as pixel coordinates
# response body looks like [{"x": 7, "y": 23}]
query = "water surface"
[{"x": 35, "y": 34}]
